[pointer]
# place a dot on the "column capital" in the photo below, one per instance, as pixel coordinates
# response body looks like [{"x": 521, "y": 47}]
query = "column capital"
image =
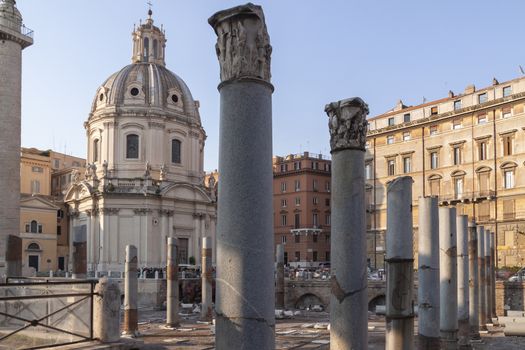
[
  {"x": 243, "y": 44},
  {"x": 347, "y": 124}
]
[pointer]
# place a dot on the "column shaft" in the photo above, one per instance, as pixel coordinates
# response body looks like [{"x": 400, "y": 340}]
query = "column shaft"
[
  {"x": 206, "y": 279},
  {"x": 463, "y": 279},
  {"x": 172, "y": 292},
  {"x": 493, "y": 265},
  {"x": 473, "y": 281},
  {"x": 488, "y": 278},
  {"x": 482, "y": 279},
  {"x": 279, "y": 277},
  {"x": 130, "y": 291}
]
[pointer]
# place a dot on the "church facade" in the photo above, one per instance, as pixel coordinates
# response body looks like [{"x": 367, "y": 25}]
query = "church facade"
[{"x": 144, "y": 178}]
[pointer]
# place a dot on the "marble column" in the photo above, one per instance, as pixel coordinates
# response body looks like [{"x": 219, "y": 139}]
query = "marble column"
[
  {"x": 130, "y": 292},
  {"x": 428, "y": 272},
  {"x": 245, "y": 295},
  {"x": 473, "y": 281},
  {"x": 348, "y": 302},
  {"x": 207, "y": 280},
  {"x": 399, "y": 265},
  {"x": 172, "y": 284},
  {"x": 463, "y": 280},
  {"x": 106, "y": 311},
  {"x": 164, "y": 234},
  {"x": 482, "y": 280},
  {"x": 279, "y": 277},
  {"x": 493, "y": 264},
  {"x": 488, "y": 277},
  {"x": 448, "y": 292}
]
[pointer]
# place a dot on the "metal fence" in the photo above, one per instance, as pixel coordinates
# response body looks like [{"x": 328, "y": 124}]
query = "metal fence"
[{"x": 37, "y": 313}]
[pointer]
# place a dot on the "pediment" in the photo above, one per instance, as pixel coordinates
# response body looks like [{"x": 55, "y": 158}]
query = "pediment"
[{"x": 36, "y": 202}]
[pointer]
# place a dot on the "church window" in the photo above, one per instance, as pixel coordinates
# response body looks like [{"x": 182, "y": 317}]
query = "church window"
[
  {"x": 175, "y": 98},
  {"x": 175, "y": 151},
  {"x": 95, "y": 150},
  {"x": 134, "y": 91},
  {"x": 146, "y": 49},
  {"x": 132, "y": 146},
  {"x": 155, "y": 48},
  {"x": 101, "y": 97},
  {"x": 34, "y": 226}
]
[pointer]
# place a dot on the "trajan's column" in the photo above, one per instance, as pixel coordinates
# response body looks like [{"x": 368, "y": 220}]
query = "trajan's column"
[
  {"x": 14, "y": 37},
  {"x": 245, "y": 299}
]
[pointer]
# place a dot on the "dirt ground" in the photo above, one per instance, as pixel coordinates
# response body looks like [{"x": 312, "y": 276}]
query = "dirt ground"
[{"x": 305, "y": 331}]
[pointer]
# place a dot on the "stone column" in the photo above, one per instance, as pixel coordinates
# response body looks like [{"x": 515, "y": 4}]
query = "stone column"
[
  {"x": 493, "y": 264},
  {"x": 448, "y": 292},
  {"x": 164, "y": 234},
  {"x": 428, "y": 272},
  {"x": 12, "y": 42},
  {"x": 79, "y": 260},
  {"x": 348, "y": 303},
  {"x": 488, "y": 278},
  {"x": 207, "y": 280},
  {"x": 130, "y": 292},
  {"x": 473, "y": 281},
  {"x": 482, "y": 280},
  {"x": 245, "y": 295},
  {"x": 106, "y": 311},
  {"x": 399, "y": 265},
  {"x": 14, "y": 256},
  {"x": 279, "y": 277},
  {"x": 172, "y": 292},
  {"x": 463, "y": 280}
]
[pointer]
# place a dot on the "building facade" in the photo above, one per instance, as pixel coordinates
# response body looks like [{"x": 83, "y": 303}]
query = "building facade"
[
  {"x": 466, "y": 149},
  {"x": 301, "y": 204},
  {"x": 144, "y": 181}
]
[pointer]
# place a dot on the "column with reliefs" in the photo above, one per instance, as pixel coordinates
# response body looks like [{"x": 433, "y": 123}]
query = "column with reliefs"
[
  {"x": 348, "y": 302},
  {"x": 245, "y": 295}
]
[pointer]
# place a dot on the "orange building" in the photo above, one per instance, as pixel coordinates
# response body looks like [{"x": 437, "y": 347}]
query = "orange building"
[{"x": 301, "y": 202}]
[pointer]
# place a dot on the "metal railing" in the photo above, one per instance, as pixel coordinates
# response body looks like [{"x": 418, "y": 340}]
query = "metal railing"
[
  {"x": 17, "y": 27},
  {"x": 39, "y": 313}
]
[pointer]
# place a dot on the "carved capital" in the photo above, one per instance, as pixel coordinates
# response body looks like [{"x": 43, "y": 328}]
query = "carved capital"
[
  {"x": 243, "y": 45},
  {"x": 347, "y": 124}
]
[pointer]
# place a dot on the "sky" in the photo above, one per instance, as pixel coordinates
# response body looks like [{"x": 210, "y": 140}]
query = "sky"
[{"x": 323, "y": 51}]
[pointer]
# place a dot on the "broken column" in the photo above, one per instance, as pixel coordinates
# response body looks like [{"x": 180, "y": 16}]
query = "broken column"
[
  {"x": 482, "y": 280},
  {"x": 428, "y": 273},
  {"x": 172, "y": 284},
  {"x": 448, "y": 291},
  {"x": 399, "y": 265},
  {"x": 245, "y": 294},
  {"x": 106, "y": 311},
  {"x": 348, "y": 303},
  {"x": 79, "y": 260},
  {"x": 488, "y": 277},
  {"x": 206, "y": 280},
  {"x": 473, "y": 274},
  {"x": 279, "y": 277},
  {"x": 493, "y": 263},
  {"x": 463, "y": 280},
  {"x": 130, "y": 326}
]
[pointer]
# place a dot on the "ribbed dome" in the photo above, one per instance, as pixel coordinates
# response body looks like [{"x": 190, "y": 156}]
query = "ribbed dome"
[{"x": 146, "y": 86}]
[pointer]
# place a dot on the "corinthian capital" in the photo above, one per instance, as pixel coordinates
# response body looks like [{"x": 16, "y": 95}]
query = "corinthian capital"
[
  {"x": 347, "y": 124},
  {"x": 243, "y": 45}
]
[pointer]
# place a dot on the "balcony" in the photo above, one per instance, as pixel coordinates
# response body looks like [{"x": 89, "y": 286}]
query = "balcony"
[
  {"x": 314, "y": 230},
  {"x": 467, "y": 197},
  {"x": 15, "y": 28}
]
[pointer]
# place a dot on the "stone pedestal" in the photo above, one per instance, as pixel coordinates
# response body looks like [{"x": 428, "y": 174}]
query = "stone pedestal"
[
  {"x": 172, "y": 284},
  {"x": 482, "y": 280},
  {"x": 463, "y": 280},
  {"x": 130, "y": 292},
  {"x": 448, "y": 318},
  {"x": 245, "y": 294},
  {"x": 428, "y": 272},
  {"x": 279, "y": 277},
  {"x": 348, "y": 302},
  {"x": 473, "y": 281},
  {"x": 207, "y": 280},
  {"x": 399, "y": 266},
  {"x": 106, "y": 311}
]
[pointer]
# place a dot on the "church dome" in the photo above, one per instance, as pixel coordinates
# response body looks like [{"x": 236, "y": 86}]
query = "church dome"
[{"x": 145, "y": 85}]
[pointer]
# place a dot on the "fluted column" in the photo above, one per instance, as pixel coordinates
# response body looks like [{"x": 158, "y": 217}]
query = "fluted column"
[
  {"x": 428, "y": 272},
  {"x": 463, "y": 280},
  {"x": 399, "y": 265},
  {"x": 448, "y": 278},
  {"x": 245, "y": 296},
  {"x": 348, "y": 302},
  {"x": 473, "y": 281}
]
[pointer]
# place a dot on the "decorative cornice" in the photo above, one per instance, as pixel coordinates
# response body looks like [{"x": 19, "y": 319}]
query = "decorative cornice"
[
  {"x": 508, "y": 132},
  {"x": 457, "y": 143},
  {"x": 347, "y": 124},
  {"x": 110, "y": 211},
  {"x": 166, "y": 212},
  {"x": 434, "y": 148},
  {"x": 142, "y": 211},
  {"x": 482, "y": 138},
  {"x": 243, "y": 44}
]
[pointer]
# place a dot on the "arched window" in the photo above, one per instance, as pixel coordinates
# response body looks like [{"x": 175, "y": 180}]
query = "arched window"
[
  {"x": 34, "y": 226},
  {"x": 175, "y": 151},
  {"x": 95, "y": 150},
  {"x": 146, "y": 49},
  {"x": 155, "y": 54},
  {"x": 132, "y": 146},
  {"x": 33, "y": 246}
]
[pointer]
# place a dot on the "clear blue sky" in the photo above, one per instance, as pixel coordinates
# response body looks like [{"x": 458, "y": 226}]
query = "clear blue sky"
[{"x": 323, "y": 51}]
